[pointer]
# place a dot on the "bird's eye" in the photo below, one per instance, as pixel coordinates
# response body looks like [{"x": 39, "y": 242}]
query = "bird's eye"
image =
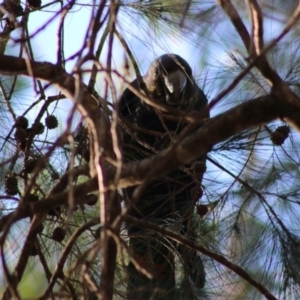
[{"x": 156, "y": 72}]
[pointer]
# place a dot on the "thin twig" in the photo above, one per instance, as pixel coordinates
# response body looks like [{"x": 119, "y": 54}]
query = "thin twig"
[
  {"x": 257, "y": 26},
  {"x": 215, "y": 256}
]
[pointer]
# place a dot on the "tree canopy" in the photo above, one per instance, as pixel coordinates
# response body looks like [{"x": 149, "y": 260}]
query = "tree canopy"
[{"x": 63, "y": 216}]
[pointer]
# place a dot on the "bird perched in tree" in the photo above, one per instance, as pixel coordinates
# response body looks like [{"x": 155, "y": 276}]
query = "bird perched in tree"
[
  {"x": 168, "y": 201},
  {"x": 168, "y": 82}
]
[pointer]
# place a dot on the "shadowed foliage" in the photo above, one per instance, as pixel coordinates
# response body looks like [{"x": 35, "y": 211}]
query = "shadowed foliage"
[{"x": 119, "y": 180}]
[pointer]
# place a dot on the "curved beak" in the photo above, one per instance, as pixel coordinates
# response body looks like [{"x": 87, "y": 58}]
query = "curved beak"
[{"x": 175, "y": 83}]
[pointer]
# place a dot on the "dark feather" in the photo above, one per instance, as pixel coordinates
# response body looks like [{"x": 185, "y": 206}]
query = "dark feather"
[{"x": 169, "y": 82}]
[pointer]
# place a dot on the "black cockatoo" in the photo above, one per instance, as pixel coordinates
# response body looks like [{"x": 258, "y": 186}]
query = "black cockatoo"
[{"x": 169, "y": 200}]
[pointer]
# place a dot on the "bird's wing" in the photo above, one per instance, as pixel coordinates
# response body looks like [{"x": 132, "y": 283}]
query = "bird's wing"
[{"x": 128, "y": 102}]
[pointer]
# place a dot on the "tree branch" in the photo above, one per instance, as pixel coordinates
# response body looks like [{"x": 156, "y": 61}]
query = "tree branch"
[
  {"x": 257, "y": 26},
  {"x": 252, "y": 113},
  {"x": 215, "y": 130},
  {"x": 72, "y": 88}
]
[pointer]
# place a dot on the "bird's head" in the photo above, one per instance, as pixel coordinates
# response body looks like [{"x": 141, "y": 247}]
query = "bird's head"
[{"x": 168, "y": 79}]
